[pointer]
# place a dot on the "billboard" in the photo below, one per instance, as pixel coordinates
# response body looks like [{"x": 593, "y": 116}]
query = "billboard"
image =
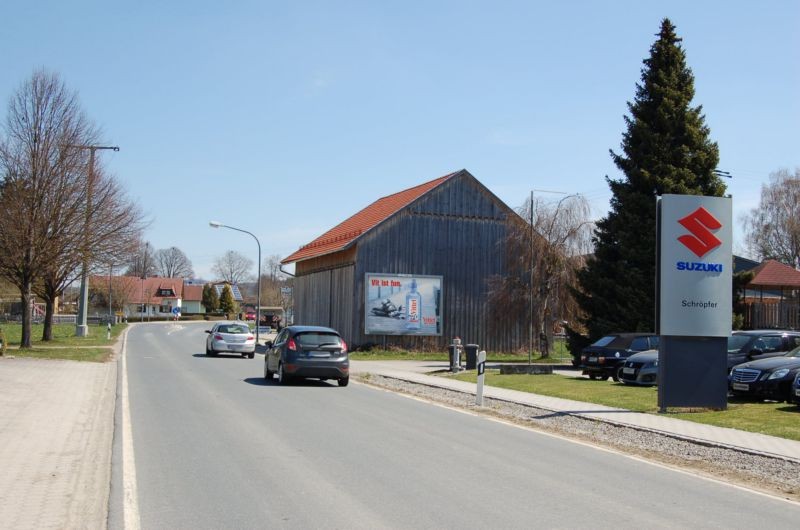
[
  {"x": 402, "y": 304},
  {"x": 695, "y": 262}
]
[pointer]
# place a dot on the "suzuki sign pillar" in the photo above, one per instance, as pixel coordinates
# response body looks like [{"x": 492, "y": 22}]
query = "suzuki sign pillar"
[{"x": 694, "y": 300}]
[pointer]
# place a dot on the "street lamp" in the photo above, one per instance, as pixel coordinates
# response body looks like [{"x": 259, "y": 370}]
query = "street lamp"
[
  {"x": 217, "y": 224},
  {"x": 82, "y": 327}
]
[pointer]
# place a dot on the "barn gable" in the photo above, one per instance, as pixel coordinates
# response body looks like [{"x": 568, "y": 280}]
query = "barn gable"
[{"x": 454, "y": 229}]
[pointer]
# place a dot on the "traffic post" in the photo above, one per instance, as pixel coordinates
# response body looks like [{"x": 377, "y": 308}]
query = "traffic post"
[{"x": 481, "y": 370}]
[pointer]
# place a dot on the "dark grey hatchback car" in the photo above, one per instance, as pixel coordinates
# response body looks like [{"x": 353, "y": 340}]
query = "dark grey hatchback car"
[{"x": 307, "y": 351}]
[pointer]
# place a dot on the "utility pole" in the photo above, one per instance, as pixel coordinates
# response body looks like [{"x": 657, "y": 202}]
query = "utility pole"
[{"x": 81, "y": 325}]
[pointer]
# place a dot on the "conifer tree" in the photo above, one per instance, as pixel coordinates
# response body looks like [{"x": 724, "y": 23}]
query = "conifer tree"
[
  {"x": 227, "y": 304},
  {"x": 210, "y": 299},
  {"x": 665, "y": 149}
]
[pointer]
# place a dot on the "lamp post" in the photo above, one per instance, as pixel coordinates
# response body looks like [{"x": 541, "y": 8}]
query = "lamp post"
[
  {"x": 81, "y": 327},
  {"x": 217, "y": 224}
]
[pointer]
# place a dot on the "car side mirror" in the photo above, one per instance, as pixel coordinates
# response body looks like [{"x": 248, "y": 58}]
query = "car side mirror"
[
  {"x": 268, "y": 344},
  {"x": 208, "y": 331},
  {"x": 755, "y": 351}
]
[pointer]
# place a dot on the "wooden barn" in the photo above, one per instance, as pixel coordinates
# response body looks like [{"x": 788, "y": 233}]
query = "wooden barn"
[{"x": 448, "y": 233}]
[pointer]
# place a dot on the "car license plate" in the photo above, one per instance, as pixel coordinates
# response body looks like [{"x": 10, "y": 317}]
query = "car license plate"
[
  {"x": 797, "y": 391},
  {"x": 629, "y": 370},
  {"x": 592, "y": 359},
  {"x": 741, "y": 386},
  {"x": 320, "y": 354}
]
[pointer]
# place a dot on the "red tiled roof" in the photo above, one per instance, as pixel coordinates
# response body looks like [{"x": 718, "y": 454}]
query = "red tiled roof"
[
  {"x": 341, "y": 235},
  {"x": 193, "y": 293},
  {"x": 775, "y": 274}
]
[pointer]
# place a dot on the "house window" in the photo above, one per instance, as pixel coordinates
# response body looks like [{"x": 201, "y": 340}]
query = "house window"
[{"x": 165, "y": 309}]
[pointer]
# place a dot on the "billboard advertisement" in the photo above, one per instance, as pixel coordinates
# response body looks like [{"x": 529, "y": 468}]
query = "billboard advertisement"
[
  {"x": 695, "y": 262},
  {"x": 402, "y": 304}
]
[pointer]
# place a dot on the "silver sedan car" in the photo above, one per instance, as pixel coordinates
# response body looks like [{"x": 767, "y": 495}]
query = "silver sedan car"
[
  {"x": 233, "y": 337},
  {"x": 640, "y": 369}
]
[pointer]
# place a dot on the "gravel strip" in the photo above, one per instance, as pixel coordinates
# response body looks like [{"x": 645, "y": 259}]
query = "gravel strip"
[{"x": 772, "y": 475}]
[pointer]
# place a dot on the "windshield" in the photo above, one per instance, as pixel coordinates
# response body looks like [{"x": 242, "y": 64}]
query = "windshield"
[
  {"x": 233, "y": 328},
  {"x": 794, "y": 353},
  {"x": 317, "y": 339},
  {"x": 605, "y": 341}
]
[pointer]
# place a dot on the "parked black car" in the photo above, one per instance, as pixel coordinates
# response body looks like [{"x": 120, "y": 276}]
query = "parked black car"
[
  {"x": 603, "y": 359},
  {"x": 744, "y": 346},
  {"x": 770, "y": 378},
  {"x": 307, "y": 351}
]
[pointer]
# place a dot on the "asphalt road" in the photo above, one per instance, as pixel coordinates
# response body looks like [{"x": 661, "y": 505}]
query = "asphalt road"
[{"x": 218, "y": 447}]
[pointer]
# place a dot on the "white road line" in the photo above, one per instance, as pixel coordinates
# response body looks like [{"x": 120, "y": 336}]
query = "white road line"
[{"x": 130, "y": 501}]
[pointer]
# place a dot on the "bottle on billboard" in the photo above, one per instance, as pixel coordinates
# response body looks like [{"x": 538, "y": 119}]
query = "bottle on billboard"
[{"x": 413, "y": 307}]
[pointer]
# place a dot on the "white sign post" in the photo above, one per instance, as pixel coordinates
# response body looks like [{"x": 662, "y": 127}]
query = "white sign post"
[
  {"x": 694, "y": 300},
  {"x": 481, "y": 370}
]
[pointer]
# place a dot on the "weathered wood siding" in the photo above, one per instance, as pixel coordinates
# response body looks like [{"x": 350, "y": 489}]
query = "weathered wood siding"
[{"x": 456, "y": 231}]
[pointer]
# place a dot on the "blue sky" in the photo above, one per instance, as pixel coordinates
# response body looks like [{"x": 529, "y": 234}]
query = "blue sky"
[{"x": 285, "y": 118}]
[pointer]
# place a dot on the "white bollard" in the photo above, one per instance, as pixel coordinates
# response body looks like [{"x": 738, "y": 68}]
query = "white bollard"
[{"x": 481, "y": 370}]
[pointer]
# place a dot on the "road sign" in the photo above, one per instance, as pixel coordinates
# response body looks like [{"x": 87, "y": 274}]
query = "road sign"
[{"x": 176, "y": 310}]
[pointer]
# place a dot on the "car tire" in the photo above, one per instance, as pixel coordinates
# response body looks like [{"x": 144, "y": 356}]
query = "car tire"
[
  {"x": 616, "y": 377},
  {"x": 208, "y": 352},
  {"x": 251, "y": 355},
  {"x": 343, "y": 381},
  {"x": 282, "y": 377},
  {"x": 268, "y": 374}
]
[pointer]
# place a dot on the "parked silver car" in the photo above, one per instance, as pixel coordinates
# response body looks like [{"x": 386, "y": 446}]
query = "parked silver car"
[
  {"x": 640, "y": 369},
  {"x": 234, "y": 337}
]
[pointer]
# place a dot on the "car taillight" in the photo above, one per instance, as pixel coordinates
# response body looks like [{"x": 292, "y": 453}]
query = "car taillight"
[
  {"x": 344, "y": 346},
  {"x": 250, "y": 337},
  {"x": 217, "y": 337},
  {"x": 291, "y": 345},
  {"x": 601, "y": 360}
]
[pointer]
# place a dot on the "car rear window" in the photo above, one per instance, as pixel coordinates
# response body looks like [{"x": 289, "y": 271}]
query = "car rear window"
[
  {"x": 233, "y": 328},
  {"x": 315, "y": 339},
  {"x": 605, "y": 341}
]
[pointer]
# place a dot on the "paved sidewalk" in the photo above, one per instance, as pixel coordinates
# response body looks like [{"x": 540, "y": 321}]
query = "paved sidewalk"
[
  {"x": 56, "y": 430},
  {"x": 415, "y": 371}
]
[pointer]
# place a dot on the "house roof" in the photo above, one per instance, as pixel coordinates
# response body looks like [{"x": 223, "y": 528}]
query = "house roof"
[
  {"x": 343, "y": 234},
  {"x": 193, "y": 293},
  {"x": 776, "y": 275}
]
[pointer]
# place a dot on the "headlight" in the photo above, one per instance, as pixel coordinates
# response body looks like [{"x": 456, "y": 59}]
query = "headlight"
[{"x": 779, "y": 374}]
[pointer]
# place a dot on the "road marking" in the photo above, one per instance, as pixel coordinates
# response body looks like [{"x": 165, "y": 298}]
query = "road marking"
[{"x": 130, "y": 501}]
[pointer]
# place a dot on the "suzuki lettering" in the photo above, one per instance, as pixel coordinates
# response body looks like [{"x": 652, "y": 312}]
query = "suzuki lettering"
[{"x": 695, "y": 276}]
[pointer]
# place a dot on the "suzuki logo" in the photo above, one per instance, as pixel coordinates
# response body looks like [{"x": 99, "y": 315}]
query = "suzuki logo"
[{"x": 700, "y": 223}]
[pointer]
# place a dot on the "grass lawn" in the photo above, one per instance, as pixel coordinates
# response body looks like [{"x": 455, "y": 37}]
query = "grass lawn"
[
  {"x": 776, "y": 419},
  {"x": 95, "y": 355},
  {"x": 65, "y": 345},
  {"x": 63, "y": 335}
]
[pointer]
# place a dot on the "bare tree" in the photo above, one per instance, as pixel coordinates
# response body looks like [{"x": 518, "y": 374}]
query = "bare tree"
[
  {"x": 173, "y": 263},
  {"x": 232, "y": 267},
  {"x": 141, "y": 262},
  {"x": 542, "y": 257},
  {"x": 114, "y": 228},
  {"x": 773, "y": 228},
  {"x": 42, "y": 193}
]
